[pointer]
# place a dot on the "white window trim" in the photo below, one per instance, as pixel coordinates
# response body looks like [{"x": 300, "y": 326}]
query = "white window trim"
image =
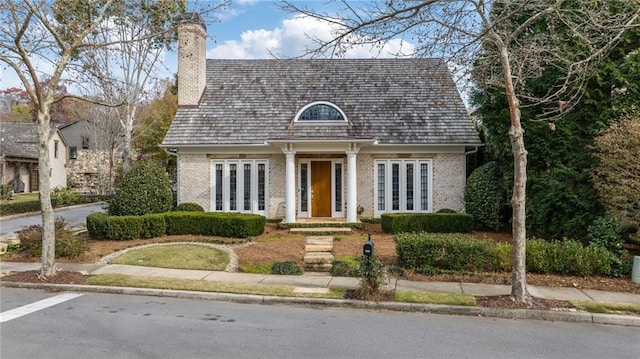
[
  {"x": 302, "y": 110},
  {"x": 417, "y": 188},
  {"x": 226, "y": 181}
]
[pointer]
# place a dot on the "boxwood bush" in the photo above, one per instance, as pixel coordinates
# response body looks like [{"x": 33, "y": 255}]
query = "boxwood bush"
[
  {"x": 426, "y": 222},
  {"x": 429, "y": 252},
  {"x": 145, "y": 189},
  {"x": 432, "y": 253},
  {"x": 189, "y": 207},
  {"x": 235, "y": 225}
]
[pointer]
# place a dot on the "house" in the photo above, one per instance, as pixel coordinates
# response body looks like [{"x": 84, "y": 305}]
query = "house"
[
  {"x": 19, "y": 156},
  {"x": 95, "y": 147},
  {"x": 309, "y": 138}
]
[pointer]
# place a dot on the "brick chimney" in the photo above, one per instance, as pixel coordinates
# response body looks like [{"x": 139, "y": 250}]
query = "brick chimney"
[{"x": 192, "y": 36}]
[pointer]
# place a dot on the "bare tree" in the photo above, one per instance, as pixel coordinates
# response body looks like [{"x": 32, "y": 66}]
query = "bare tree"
[
  {"x": 43, "y": 39},
  {"x": 127, "y": 72},
  {"x": 36, "y": 39},
  {"x": 524, "y": 37}
]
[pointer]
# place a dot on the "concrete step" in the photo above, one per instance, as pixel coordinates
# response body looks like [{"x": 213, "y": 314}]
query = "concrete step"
[
  {"x": 318, "y": 257},
  {"x": 321, "y": 230},
  {"x": 318, "y": 247},
  {"x": 318, "y": 267},
  {"x": 319, "y": 240}
]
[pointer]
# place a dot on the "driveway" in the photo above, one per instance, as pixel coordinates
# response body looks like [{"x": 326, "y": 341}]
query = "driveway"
[{"x": 74, "y": 215}]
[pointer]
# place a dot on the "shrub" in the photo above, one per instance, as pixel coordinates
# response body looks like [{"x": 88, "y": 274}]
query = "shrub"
[
  {"x": 66, "y": 244},
  {"x": 427, "y": 251},
  {"x": 19, "y": 207},
  {"x": 370, "y": 273},
  {"x": 446, "y": 210},
  {"x": 153, "y": 225},
  {"x": 345, "y": 267},
  {"x": 6, "y": 191},
  {"x": 606, "y": 232},
  {"x": 65, "y": 197},
  {"x": 483, "y": 196},
  {"x": 286, "y": 268},
  {"x": 236, "y": 225},
  {"x": 145, "y": 189},
  {"x": 426, "y": 222},
  {"x": 189, "y": 207},
  {"x": 567, "y": 257}
]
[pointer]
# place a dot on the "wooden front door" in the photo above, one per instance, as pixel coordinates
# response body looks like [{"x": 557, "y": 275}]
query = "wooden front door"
[{"x": 321, "y": 188}]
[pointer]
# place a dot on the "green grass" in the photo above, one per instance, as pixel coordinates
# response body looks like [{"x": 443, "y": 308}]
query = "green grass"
[
  {"x": 435, "y": 298},
  {"x": 23, "y": 197},
  {"x": 176, "y": 256},
  {"x": 607, "y": 308},
  {"x": 264, "y": 268},
  {"x": 120, "y": 280}
]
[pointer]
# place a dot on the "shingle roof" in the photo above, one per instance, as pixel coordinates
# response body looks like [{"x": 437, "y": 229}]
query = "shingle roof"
[
  {"x": 20, "y": 139},
  {"x": 393, "y": 101}
]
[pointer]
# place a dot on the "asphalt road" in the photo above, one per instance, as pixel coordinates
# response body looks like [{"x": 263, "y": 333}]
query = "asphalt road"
[
  {"x": 75, "y": 216},
  {"x": 119, "y": 326}
]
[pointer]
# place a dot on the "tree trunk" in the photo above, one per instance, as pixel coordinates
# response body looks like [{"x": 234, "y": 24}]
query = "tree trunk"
[
  {"x": 128, "y": 141},
  {"x": 48, "y": 228},
  {"x": 516, "y": 134}
]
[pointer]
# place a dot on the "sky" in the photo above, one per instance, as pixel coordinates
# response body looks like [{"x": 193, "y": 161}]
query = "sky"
[{"x": 252, "y": 29}]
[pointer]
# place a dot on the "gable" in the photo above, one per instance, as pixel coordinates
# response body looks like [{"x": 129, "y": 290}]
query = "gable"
[{"x": 392, "y": 101}]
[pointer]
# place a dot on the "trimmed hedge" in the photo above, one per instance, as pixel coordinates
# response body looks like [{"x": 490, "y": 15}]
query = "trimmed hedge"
[
  {"x": 426, "y": 222},
  {"x": 235, "y": 225},
  {"x": 34, "y": 206},
  {"x": 426, "y": 252},
  {"x": 431, "y": 254},
  {"x": 189, "y": 207}
]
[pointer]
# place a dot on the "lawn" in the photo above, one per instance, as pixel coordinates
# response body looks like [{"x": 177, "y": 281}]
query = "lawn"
[{"x": 187, "y": 256}]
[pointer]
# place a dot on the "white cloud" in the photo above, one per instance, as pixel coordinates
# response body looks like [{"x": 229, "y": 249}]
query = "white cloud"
[{"x": 293, "y": 37}]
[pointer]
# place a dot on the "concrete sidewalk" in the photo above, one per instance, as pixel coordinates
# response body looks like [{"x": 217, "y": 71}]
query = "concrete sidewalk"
[{"x": 321, "y": 280}]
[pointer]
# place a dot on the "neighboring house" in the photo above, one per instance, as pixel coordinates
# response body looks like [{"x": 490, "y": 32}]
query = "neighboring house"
[
  {"x": 305, "y": 138},
  {"x": 19, "y": 156},
  {"x": 93, "y": 149}
]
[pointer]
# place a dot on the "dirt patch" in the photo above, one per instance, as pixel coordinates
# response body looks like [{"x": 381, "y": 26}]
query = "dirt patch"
[
  {"x": 505, "y": 301},
  {"x": 61, "y": 277}
]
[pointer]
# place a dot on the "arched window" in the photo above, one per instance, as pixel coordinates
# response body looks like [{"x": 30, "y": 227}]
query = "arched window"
[{"x": 320, "y": 112}]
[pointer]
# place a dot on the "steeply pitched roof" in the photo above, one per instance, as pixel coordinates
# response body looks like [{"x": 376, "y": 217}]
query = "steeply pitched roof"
[
  {"x": 20, "y": 139},
  {"x": 393, "y": 101}
]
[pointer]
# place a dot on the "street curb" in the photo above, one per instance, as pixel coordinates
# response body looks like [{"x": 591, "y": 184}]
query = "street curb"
[{"x": 576, "y": 317}]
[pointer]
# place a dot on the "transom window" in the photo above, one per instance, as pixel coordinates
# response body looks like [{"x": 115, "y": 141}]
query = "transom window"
[
  {"x": 320, "y": 112},
  {"x": 403, "y": 185}
]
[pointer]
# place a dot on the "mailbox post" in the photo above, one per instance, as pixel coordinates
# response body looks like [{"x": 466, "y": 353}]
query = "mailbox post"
[{"x": 367, "y": 249}]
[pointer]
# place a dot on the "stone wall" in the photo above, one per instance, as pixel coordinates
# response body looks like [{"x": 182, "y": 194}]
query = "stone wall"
[{"x": 90, "y": 172}]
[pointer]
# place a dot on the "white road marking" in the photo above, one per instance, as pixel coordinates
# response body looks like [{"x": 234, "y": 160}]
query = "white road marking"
[{"x": 36, "y": 306}]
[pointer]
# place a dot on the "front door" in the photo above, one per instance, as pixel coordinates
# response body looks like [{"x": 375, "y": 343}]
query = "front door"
[{"x": 321, "y": 188}]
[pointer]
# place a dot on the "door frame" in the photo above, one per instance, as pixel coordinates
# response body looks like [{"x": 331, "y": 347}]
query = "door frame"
[{"x": 304, "y": 189}]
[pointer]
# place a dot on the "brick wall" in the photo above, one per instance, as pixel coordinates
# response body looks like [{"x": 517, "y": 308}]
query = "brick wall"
[
  {"x": 194, "y": 180},
  {"x": 449, "y": 181}
]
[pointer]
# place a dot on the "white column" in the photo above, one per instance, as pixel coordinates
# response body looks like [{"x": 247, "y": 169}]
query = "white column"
[
  {"x": 290, "y": 187},
  {"x": 352, "y": 187}
]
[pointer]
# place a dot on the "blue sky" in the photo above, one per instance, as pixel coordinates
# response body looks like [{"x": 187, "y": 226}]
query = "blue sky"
[{"x": 258, "y": 29}]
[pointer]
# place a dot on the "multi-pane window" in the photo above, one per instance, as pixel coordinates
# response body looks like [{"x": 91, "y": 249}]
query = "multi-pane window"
[
  {"x": 218, "y": 187},
  {"x": 239, "y": 185},
  {"x": 321, "y": 112},
  {"x": 338, "y": 186},
  {"x": 73, "y": 153},
  {"x": 401, "y": 187},
  {"x": 304, "y": 179}
]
